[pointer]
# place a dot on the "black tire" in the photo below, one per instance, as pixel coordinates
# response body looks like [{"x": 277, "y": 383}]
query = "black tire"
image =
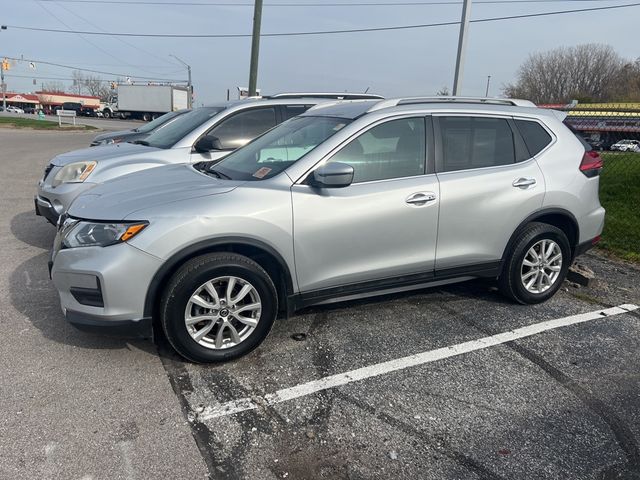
[
  {"x": 106, "y": 114},
  {"x": 146, "y": 117},
  {"x": 510, "y": 281},
  {"x": 189, "y": 278}
]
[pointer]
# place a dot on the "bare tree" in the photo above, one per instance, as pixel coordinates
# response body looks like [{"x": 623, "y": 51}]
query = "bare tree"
[
  {"x": 53, "y": 87},
  {"x": 584, "y": 72},
  {"x": 626, "y": 87}
]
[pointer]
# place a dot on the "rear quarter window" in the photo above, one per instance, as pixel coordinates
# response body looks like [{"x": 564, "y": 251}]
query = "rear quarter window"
[{"x": 535, "y": 137}]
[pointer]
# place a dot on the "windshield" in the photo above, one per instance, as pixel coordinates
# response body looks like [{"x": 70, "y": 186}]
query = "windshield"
[
  {"x": 277, "y": 149},
  {"x": 160, "y": 121},
  {"x": 168, "y": 136}
]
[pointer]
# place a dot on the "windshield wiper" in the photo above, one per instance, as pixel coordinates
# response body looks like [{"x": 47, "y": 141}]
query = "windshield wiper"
[
  {"x": 141, "y": 142},
  {"x": 218, "y": 174}
]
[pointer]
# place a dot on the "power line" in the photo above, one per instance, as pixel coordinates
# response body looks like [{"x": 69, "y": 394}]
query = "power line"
[
  {"x": 315, "y": 5},
  {"x": 119, "y": 39},
  {"x": 43, "y": 62},
  {"x": 90, "y": 42},
  {"x": 39, "y": 77},
  {"x": 324, "y": 32}
]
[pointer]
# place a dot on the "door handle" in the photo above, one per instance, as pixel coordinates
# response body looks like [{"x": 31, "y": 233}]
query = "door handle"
[
  {"x": 524, "y": 182},
  {"x": 420, "y": 198}
]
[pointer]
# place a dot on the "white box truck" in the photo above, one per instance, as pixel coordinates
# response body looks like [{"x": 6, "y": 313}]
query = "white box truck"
[{"x": 146, "y": 101}]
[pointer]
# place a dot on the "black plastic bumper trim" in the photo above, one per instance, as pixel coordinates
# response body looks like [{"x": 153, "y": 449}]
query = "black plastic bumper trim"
[
  {"x": 47, "y": 212},
  {"x": 118, "y": 328},
  {"x": 88, "y": 296}
]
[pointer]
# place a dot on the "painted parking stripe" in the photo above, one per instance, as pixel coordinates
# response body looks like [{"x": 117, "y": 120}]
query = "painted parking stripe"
[{"x": 332, "y": 381}]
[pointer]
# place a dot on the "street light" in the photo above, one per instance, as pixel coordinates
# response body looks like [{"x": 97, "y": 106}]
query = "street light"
[{"x": 189, "y": 85}]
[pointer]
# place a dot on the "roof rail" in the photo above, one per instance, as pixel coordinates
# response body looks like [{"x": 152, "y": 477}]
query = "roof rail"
[
  {"x": 336, "y": 96},
  {"x": 478, "y": 100}
]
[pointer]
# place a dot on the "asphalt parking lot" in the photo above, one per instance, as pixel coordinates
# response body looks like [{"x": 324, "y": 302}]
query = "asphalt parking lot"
[{"x": 422, "y": 385}]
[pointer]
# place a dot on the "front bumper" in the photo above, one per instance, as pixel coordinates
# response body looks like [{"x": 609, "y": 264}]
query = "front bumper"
[
  {"x": 44, "y": 208},
  {"x": 51, "y": 202},
  {"x": 103, "y": 289}
]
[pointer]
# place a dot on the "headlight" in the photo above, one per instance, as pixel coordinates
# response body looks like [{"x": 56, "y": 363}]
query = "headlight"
[
  {"x": 110, "y": 141},
  {"x": 76, "y": 172},
  {"x": 79, "y": 233}
]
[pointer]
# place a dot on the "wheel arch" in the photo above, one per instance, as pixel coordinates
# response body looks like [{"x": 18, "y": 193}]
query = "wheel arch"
[
  {"x": 558, "y": 217},
  {"x": 266, "y": 256}
]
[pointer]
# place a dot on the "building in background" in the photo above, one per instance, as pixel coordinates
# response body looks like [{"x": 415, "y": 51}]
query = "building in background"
[
  {"x": 603, "y": 124},
  {"x": 50, "y": 101},
  {"x": 26, "y": 101}
]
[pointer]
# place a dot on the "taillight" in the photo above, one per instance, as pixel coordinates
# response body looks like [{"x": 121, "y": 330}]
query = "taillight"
[{"x": 591, "y": 163}]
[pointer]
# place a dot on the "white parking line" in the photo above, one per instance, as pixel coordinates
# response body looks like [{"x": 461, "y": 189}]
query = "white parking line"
[{"x": 304, "y": 389}]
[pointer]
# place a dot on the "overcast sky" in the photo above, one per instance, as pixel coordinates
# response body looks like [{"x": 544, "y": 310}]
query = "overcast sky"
[{"x": 392, "y": 63}]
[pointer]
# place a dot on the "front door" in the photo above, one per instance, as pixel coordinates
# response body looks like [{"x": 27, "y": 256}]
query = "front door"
[
  {"x": 237, "y": 130},
  {"x": 382, "y": 226}
]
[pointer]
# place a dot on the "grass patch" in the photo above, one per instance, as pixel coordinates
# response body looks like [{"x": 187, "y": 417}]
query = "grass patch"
[
  {"x": 620, "y": 196},
  {"x": 37, "y": 124}
]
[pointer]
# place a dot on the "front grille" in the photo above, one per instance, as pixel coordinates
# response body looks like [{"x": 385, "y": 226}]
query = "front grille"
[{"x": 47, "y": 171}]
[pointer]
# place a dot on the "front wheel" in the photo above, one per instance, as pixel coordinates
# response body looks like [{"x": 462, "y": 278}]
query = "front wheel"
[
  {"x": 537, "y": 264},
  {"x": 218, "y": 307}
]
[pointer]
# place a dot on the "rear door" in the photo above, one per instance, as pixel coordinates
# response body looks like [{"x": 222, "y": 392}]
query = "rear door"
[{"x": 489, "y": 183}]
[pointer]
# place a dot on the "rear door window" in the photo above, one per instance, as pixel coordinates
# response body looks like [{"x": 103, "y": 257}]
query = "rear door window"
[{"x": 475, "y": 142}]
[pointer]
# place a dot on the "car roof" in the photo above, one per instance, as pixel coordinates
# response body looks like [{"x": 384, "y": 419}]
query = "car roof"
[
  {"x": 289, "y": 99},
  {"x": 353, "y": 109}
]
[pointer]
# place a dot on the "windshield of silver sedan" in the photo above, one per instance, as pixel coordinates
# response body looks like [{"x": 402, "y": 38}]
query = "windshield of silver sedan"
[{"x": 277, "y": 149}]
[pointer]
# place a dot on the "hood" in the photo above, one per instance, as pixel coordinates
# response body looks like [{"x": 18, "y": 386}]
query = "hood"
[
  {"x": 102, "y": 153},
  {"x": 118, "y": 134},
  {"x": 118, "y": 198}
]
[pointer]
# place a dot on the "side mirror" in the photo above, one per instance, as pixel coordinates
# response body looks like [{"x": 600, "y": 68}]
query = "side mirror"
[
  {"x": 333, "y": 175},
  {"x": 207, "y": 144}
]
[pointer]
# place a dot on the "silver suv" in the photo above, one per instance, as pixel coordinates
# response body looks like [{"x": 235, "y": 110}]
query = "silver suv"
[
  {"x": 206, "y": 133},
  {"x": 348, "y": 200}
]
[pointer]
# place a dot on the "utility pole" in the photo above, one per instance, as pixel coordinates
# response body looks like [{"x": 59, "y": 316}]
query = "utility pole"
[
  {"x": 189, "y": 84},
  {"x": 486, "y": 93},
  {"x": 255, "y": 48},
  {"x": 4, "y": 89},
  {"x": 4, "y": 86},
  {"x": 462, "y": 43}
]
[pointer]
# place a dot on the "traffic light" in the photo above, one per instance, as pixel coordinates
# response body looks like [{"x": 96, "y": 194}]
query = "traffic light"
[{"x": 5, "y": 64}]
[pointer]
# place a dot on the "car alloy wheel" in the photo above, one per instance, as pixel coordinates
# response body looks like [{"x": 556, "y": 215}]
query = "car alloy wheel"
[
  {"x": 223, "y": 312},
  {"x": 541, "y": 266}
]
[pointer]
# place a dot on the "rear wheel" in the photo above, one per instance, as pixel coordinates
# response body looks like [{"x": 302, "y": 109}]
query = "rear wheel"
[
  {"x": 218, "y": 307},
  {"x": 537, "y": 264},
  {"x": 146, "y": 117}
]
